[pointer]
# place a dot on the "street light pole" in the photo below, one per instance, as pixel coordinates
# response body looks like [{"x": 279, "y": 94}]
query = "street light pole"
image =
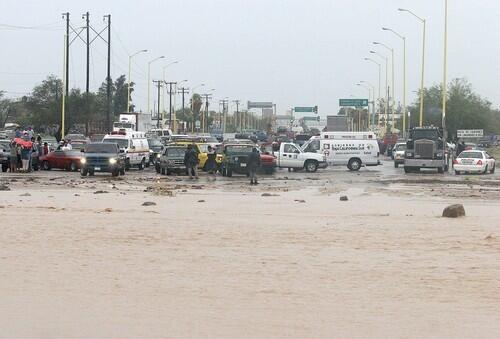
[
  {"x": 386, "y": 94},
  {"x": 149, "y": 80},
  {"x": 164, "y": 81},
  {"x": 373, "y": 99},
  {"x": 422, "y": 20},
  {"x": 404, "y": 75},
  {"x": 379, "y": 82},
  {"x": 129, "y": 75},
  {"x": 445, "y": 66},
  {"x": 392, "y": 76},
  {"x": 369, "y": 97}
]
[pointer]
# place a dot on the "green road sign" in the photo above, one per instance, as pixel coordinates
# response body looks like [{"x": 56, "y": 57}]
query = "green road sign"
[
  {"x": 306, "y": 109},
  {"x": 353, "y": 102}
]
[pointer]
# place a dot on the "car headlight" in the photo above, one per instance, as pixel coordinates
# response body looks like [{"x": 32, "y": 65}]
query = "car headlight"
[
  {"x": 158, "y": 155},
  {"x": 112, "y": 161},
  {"x": 235, "y": 158},
  {"x": 409, "y": 154},
  {"x": 83, "y": 161}
]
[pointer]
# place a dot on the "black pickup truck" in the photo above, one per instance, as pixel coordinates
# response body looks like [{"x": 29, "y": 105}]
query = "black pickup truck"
[{"x": 102, "y": 157}]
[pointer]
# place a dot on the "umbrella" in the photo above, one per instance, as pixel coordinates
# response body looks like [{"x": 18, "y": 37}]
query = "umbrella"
[{"x": 24, "y": 143}]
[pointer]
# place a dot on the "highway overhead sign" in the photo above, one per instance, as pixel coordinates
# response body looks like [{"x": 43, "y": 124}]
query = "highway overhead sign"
[
  {"x": 306, "y": 109},
  {"x": 353, "y": 102},
  {"x": 259, "y": 104}
]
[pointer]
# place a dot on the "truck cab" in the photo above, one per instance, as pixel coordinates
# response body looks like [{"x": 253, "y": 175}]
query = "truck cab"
[
  {"x": 288, "y": 155},
  {"x": 426, "y": 148}
]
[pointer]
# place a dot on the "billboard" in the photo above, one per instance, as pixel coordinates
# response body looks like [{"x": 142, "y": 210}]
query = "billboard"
[{"x": 470, "y": 133}]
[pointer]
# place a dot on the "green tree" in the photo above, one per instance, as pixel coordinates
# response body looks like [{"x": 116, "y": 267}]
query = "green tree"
[
  {"x": 44, "y": 103},
  {"x": 120, "y": 95},
  {"x": 464, "y": 109}
]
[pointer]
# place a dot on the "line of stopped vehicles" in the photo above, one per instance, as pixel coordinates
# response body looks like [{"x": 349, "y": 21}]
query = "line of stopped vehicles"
[{"x": 124, "y": 149}]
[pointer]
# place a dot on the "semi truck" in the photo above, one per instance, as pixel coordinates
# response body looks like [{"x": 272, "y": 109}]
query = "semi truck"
[{"x": 426, "y": 148}]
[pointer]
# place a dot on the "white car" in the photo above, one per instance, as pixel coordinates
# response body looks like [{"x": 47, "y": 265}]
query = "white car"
[
  {"x": 474, "y": 161},
  {"x": 398, "y": 152}
]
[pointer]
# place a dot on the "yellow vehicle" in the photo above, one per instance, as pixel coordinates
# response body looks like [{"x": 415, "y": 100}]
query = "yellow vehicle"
[{"x": 202, "y": 149}]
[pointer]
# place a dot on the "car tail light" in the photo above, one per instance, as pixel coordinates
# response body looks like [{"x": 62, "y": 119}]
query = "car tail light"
[
  {"x": 455, "y": 162},
  {"x": 479, "y": 162}
]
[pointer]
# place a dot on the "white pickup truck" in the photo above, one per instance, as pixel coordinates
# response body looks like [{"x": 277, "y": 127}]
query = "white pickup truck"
[{"x": 292, "y": 157}]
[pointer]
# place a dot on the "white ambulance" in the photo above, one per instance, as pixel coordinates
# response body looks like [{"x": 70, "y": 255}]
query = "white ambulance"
[
  {"x": 351, "y": 149},
  {"x": 135, "y": 146}
]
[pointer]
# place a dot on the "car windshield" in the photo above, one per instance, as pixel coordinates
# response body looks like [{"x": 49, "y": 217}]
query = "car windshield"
[
  {"x": 239, "y": 149},
  {"x": 203, "y": 148},
  {"x": 400, "y": 147},
  {"x": 175, "y": 152},
  {"x": 471, "y": 155},
  {"x": 154, "y": 143},
  {"x": 78, "y": 145},
  {"x": 5, "y": 145},
  {"x": 431, "y": 134},
  {"x": 101, "y": 148},
  {"x": 122, "y": 143}
]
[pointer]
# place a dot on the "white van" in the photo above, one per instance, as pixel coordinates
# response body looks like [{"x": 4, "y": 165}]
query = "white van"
[
  {"x": 135, "y": 146},
  {"x": 351, "y": 149}
]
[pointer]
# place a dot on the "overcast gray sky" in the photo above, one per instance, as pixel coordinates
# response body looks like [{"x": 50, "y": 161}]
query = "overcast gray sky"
[{"x": 291, "y": 52}]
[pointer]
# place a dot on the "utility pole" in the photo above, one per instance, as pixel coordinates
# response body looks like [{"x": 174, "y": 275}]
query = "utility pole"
[
  {"x": 108, "y": 78},
  {"x": 225, "y": 107},
  {"x": 237, "y": 103},
  {"x": 66, "y": 71},
  {"x": 159, "y": 84},
  {"x": 183, "y": 91},
  {"x": 170, "y": 84},
  {"x": 204, "y": 120},
  {"x": 87, "y": 79}
]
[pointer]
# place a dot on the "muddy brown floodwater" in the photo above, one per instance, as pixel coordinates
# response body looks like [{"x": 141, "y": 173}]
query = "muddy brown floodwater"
[{"x": 84, "y": 258}]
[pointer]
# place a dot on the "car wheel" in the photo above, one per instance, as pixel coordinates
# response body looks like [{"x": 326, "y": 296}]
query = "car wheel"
[
  {"x": 408, "y": 169},
  {"x": 115, "y": 172},
  {"x": 229, "y": 173},
  {"x": 493, "y": 169},
  {"x": 46, "y": 165},
  {"x": 440, "y": 170},
  {"x": 84, "y": 172},
  {"x": 141, "y": 165},
  {"x": 91, "y": 172},
  {"x": 354, "y": 164},
  {"x": 457, "y": 172},
  {"x": 485, "y": 169},
  {"x": 311, "y": 166},
  {"x": 73, "y": 167}
]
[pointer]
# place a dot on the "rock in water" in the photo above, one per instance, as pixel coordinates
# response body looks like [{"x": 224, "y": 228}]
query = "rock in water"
[
  {"x": 344, "y": 198},
  {"x": 148, "y": 203},
  {"x": 454, "y": 211}
]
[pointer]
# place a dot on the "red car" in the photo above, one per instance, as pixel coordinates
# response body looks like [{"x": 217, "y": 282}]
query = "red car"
[
  {"x": 67, "y": 160},
  {"x": 267, "y": 163}
]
